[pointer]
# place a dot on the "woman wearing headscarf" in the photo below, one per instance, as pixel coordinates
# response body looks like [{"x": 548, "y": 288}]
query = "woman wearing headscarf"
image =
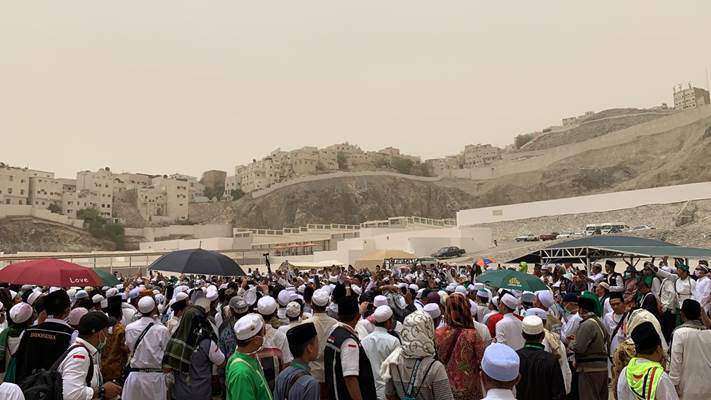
[
  {"x": 415, "y": 362},
  {"x": 460, "y": 348},
  {"x": 626, "y": 350}
]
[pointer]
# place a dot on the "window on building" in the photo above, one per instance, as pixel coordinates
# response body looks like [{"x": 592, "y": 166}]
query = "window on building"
[
  {"x": 11, "y": 179},
  {"x": 19, "y": 202},
  {"x": 22, "y": 191},
  {"x": 9, "y": 190},
  {"x": 7, "y": 201}
]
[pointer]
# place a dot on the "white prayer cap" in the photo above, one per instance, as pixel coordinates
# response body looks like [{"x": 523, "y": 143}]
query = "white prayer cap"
[
  {"x": 293, "y": 309},
  {"x": 545, "y": 297},
  {"x": 267, "y": 305},
  {"x": 532, "y": 325},
  {"x": 25, "y": 288},
  {"x": 104, "y": 304},
  {"x": 380, "y": 300},
  {"x": 20, "y": 313},
  {"x": 111, "y": 292},
  {"x": 211, "y": 294},
  {"x": 54, "y": 289},
  {"x": 146, "y": 304},
  {"x": 356, "y": 289},
  {"x": 460, "y": 289},
  {"x": 249, "y": 326},
  {"x": 284, "y": 297},
  {"x": 97, "y": 299},
  {"x": 76, "y": 314},
  {"x": 451, "y": 287},
  {"x": 159, "y": 298},
  {"x": 472, "y": 307},
  {"x": 180, "y": 296},
  {"x": 419, "y": 293},
  {"x": 156, "y": 291},
  {"x": 401, "y": 285},
  {"x": 443, "y": 296},
  {"x": 484, "y": 293},
  {"x": 605, "y": 285},
  {"x": 203, "y": 303},
  {"x": 81, "y": 294},
  {"x": 500, "y": 362},
  {"x": 414, "y": 287},
  {"x": 13, "y": 294},
  {"x": 250, "y": 296},
  {"x": 509, "y": 301},
  {"x": 382, "y": 314},
  {"x": 433, "y": 310},
  {"x": 320, "y": 298},
  {"x": 495, "y": 301},
  {"x": 301, "y": 289},
  {"x": 538, "y": 312},
  {"x": 34, "y": 296}
]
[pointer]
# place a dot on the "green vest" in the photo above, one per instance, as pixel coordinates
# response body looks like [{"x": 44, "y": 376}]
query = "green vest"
[{"x": 643, "y": 378}]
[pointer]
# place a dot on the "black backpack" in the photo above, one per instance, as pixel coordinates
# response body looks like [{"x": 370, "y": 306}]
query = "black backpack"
[{"x": 47, "y": 384}]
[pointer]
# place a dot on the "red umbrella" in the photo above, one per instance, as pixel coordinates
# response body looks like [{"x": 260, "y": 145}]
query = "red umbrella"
[{"x": 49, "y": 272}]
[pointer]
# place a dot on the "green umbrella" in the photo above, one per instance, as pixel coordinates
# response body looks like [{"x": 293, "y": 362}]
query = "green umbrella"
[
  {"x": 508, "y": 279},
  {"x": 108, "y": 278}
]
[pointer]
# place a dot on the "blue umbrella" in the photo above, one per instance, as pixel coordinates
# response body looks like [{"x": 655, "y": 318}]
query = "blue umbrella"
[{"x": 197, "y": 261}]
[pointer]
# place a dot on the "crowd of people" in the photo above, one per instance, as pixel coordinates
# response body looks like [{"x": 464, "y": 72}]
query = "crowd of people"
[{"x": 406, "y": 332}]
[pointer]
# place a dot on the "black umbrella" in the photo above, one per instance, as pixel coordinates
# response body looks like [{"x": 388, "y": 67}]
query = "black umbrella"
[{"x": 197, "y": 261}]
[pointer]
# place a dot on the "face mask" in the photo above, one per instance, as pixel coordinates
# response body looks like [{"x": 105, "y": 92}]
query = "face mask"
[{"x": 261, "y": 346}]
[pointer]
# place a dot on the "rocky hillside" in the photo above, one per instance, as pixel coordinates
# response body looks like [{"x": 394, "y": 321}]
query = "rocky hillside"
[
  {"x": 673, "y": 157},
  {"x": 596, "y": 125},
  {"x": 343, "y": 200},
  {"x": 28, "y": 234}
]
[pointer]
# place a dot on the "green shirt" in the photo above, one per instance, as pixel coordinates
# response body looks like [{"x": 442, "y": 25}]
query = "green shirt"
[{"x": 245, "y": 380}]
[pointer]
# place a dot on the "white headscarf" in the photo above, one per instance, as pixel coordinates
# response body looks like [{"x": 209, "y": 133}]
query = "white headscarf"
[{"x": 417, "y": 337}]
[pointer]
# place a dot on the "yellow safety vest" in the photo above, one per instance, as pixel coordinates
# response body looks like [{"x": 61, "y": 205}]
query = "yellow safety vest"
[{"x": 643, "y": 378}]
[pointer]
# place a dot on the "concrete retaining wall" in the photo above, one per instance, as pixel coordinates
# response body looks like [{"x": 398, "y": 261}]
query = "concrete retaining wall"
[
  {"x": 586, "y": 204},
  {"x": 29, "y": 211}
]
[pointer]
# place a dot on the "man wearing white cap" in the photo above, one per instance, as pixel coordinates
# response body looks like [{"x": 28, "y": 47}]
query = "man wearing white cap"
[
  {"x": 435, "y": 312},
  {"x": 293, "y": 313},
  {"x": 545, "y": 300},
  {"x": 324, "y": 324},
  {"x": 552, "y": 344},
  {"x": 379, "y": 344},
  {"x": 244, "y": 377},
  {"x": 146, "y": 380},
  {"x": 499, "y": 372},
  {"x": 508, "y": 329},
  {"x": 538, "y": 365},
  {"x": 275, "y": 342}
]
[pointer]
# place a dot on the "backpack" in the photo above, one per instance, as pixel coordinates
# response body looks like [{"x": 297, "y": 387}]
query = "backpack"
[{"x": 47, "y": 384}]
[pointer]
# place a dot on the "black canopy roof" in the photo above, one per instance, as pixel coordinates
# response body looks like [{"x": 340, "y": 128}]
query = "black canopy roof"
[{"x": 596, "y": 247}]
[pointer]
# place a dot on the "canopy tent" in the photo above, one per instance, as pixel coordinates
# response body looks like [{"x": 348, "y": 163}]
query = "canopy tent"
[
  {"x": 598, "y": 247},
  {"x": 378, "y": 257}
]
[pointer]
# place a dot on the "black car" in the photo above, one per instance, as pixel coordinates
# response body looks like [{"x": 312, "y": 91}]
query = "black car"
[{"x": 449, "y": 252}]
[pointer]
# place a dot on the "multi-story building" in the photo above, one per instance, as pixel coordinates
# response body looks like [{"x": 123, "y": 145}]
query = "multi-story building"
[
  {"x": 151, "y": 203},
  {"x": 477, "y": 155},
  {"x": 15, "y": 184},
  {"x": 230, "y": 185},
  {"x": 128, "y": 181},
  {"x": 99, "y": 187},
  {"x": 691, "y": 97},
  {"x": 45, "y": 192},
  {"x": 176, "y": 191}
]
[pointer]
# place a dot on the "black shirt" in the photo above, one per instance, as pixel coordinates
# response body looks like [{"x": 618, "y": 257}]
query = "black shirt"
[{"x": 541, "y": 377}]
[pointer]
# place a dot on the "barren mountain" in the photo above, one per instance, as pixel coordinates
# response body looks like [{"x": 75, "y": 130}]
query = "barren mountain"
[{"x": 28, "y": 234}]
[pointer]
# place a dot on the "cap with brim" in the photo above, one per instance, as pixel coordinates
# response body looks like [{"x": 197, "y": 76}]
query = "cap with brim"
[{"x": 93, "y": 322}]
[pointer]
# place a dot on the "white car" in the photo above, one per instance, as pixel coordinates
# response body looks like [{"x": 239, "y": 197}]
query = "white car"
[{"x": 641, "y": 228}]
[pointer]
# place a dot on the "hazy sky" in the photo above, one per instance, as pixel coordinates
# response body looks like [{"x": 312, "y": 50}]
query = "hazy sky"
[{"x": 186, "y": 86}]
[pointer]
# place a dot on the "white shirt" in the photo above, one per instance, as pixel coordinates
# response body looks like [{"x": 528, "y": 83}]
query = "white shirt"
[
  {"x": 665, "y": 388},
  {"x": 703, "y": 290},
  {"x": 350, "y": 354},
  {"x": 324, "y": 325},
  {"x": 611, "y": 320},
  {"x": 150, "y": 350},
  {"x": 74, "y": 370},
  {"x": 508, "y": 332},
  {"x": 690, "y": 361},
  {"x": 499, "y": 394},
  {"x": 683, "y": 288},
  {"x": 378, "y": 345},
  {"x": 570, "y": 327},
  {"x": 364, "y": 328},
  {"x": 10, "y": 391},
  {"x": 285, "y": 328},
  {"x": 277, "y": 340}
]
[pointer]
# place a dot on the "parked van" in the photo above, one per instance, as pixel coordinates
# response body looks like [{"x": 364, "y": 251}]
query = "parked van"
[
  {"x": 591, "y": 229},
  {"x": 613, "y": 227}
]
